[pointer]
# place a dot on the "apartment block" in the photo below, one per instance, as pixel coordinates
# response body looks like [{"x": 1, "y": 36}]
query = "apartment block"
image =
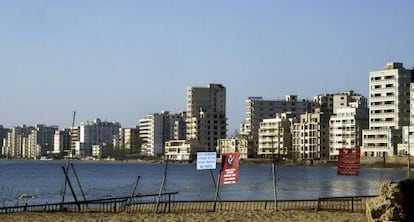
[
  {"x": 3, "y": 136},
  {"x": 15, "y": 145},
  {"x": 349, "y": 118},
  {"x": 258, "y": 109},
  {"x": 407, "y": 145},
  {"x": 389, "y": 109},
  {"x": 41, "y": 141},
  {"x": 95, "y": 132},
  {"x": 178, "y": 150},
  {"x": 155, "y": 129},
  {"x": 61, "y": 141},
  {"x": 310, "y": 136},
  {"x": 275, "y": 137},
  {"x": 206, "y": 119},
  {"x": 232, "y": 145},
  {"x": 127, "y": 138}
]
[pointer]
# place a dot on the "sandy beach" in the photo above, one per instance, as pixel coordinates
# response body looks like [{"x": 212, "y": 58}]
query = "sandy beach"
[{"x": 256, "y": 215}]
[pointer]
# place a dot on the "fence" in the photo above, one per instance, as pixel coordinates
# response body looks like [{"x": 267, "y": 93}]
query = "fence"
[{"x": 166, "y": 204}]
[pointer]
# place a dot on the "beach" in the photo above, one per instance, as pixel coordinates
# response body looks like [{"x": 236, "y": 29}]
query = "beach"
[{"x": 249, "y": 215}]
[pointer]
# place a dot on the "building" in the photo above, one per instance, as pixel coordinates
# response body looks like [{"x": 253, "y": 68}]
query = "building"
[
  {"x": 389, "y": 110},
  {"x": 258, "y": 109},
  {"x": 41, "y": 141},
  {"x": 407, "y": 145},
  {"x": 233, "y": 145},
  {"x": 16, "y": 143},
  {"x": 74, "y": 142},
  {"x": 61, "y": 141},
  {"x": 127, "y": 139},
  {"x": 349, "y": 118},
  {"x": 310, "y": 136},
  {"x": 275, "y": 138},
  {"x": 206, "y": 120},
  {"x": 155, "y": 129},
  {"x": 178, "y": 150},
  {"x": 3, "y": 136},
  {"x": 95, "y": 133}
]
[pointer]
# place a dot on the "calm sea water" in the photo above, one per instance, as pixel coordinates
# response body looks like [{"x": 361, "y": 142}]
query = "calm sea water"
[{"x": 45, "y": 180}]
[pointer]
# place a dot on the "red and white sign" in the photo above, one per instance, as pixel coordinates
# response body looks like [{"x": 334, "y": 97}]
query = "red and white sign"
[
  {"x": 230, "y": 168},
  {"x": 349, "y": 161}
]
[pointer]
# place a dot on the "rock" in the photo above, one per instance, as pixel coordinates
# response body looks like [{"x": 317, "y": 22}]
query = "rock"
[{"x": 395, "y": 202}]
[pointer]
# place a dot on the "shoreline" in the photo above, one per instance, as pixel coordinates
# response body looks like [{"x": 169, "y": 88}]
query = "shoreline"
[{"x": 266, "y": 162}]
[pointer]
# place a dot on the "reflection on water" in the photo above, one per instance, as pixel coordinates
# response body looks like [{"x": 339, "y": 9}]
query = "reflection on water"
[{"x": 45, "y": 181}]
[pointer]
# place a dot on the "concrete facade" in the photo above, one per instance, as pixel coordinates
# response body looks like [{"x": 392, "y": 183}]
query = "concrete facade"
[
  {"x": 389, "y": 110},
  {"x": 95, "y": 133},
  {"x": 233, "y": 145},
  {"x": 61, "y": 141},
  {"x": 350, "y": 117},
  {"x": 275, "y": 137},
  {"x": 310, "y": 136},
  {"x": 258, "y": 109},
  {"x": 206, "y": 119}
]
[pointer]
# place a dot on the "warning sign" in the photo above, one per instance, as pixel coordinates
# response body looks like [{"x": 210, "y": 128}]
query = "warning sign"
[
  {"x": 230, "y": 168},
  {"x": 349, "y": 161}
]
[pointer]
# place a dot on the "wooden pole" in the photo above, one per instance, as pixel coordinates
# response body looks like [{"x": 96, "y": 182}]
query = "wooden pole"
[
  {"x": 79, "y": 184},
  {"x": 214, "y": 182},
  {"x": 133, "y": 190},
  {"x": 217, "y": 191},
  {"x": 66, "y": 181},
  {"x": 162, "y": 184},
  {"x": 71, "y": 188}
]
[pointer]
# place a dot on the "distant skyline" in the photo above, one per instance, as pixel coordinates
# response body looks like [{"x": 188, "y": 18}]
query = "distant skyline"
[{"x": 121, "y": 60}]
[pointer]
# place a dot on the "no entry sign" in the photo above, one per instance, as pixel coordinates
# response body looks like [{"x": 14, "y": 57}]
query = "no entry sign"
[
  {"x": 349, "y": 161},
  {"x": 230, "y": 168}
]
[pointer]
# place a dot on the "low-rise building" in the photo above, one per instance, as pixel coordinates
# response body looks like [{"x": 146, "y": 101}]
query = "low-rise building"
[{"x": 233, "y": 145}]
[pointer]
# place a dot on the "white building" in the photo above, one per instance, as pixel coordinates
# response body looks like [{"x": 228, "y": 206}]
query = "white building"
[
  {"x": 350, "y": 117},
  {"x": 389, "y": 110},
  {"x": 258, "y": 109},
  {"x": 179, "y": 150},
  {"x": 206, "y": 115},
  {"x": 310, "y": 136},
  {"x": 155, "y": 129},
  {"x": 41, "y": 140},
  {"x": 95, "y": 133},
  {"x": 275, "y": 136},
  {"x": 61, "y": 141}
]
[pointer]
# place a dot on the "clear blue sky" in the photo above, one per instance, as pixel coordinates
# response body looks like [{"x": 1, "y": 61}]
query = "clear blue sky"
[{"x": 121, "y": 60}]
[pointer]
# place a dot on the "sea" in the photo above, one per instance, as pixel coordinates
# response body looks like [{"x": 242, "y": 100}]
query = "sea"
[{"x": 39, "y": 182}]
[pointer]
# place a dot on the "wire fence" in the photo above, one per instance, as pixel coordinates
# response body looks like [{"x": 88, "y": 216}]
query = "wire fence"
[
  {"x": 166, "y": 204},
  {"x": 316, "y": 187}
]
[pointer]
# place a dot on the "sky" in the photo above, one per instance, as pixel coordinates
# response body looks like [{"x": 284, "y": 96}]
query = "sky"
[{"x": 122, "y": 60}]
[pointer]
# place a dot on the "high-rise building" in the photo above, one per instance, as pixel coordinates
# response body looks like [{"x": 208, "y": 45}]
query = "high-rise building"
[
  {"x": 61, "y": 141},
  {"x": 310, "y": 136},
  {"x": 155, "y": 129},
  {"x": 258, "y": 109},
  {"x": 349, "y": 118},
  {"x": 95, "y": 133},
  {"x": 16, "y": 143},
  {"x": 41, "y": 140},
  {"x": 3, "y": 136},
  {"x": 275, "y": 137},
  {"x": 127, "y": 138},
  {"x": 389, "y": 93},
  {"x": 206, "y": 115}
]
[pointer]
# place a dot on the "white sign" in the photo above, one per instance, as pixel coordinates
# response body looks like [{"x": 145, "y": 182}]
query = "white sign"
[{"x": 206, "y": 160}]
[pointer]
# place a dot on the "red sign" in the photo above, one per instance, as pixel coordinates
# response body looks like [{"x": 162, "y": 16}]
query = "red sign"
[
  {"x": 348, "y": 161},
  {"x": 229, "y": 168}
]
